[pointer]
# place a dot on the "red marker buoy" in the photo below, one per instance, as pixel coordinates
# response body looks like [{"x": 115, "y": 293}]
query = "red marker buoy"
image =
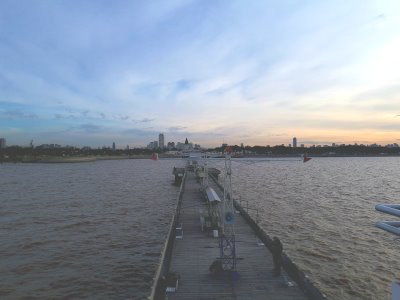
[{"x": 305, "y": 158}]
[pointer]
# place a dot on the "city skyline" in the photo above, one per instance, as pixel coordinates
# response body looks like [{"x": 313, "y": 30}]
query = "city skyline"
[{"x": 231, "y": 72}]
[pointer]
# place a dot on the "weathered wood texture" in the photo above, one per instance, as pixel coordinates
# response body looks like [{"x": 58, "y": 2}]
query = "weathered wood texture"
[{"x": 192, "y": 256}]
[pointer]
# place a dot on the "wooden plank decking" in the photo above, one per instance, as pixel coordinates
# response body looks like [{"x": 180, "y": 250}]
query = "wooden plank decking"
[{"x": 192, "y": 256}]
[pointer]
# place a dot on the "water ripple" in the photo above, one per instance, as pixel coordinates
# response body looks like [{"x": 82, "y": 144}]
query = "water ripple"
[{"x": 92, "y": 230}]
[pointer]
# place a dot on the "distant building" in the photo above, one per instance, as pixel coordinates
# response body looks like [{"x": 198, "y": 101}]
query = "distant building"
[
  {"x": 113, "y": 146},
  {"x": 171, "y": 145},
  {"x": 2, "y": 143},
  {"x": 152, "y": 145},
  {"x": 184, "y": 146},
  {"x": 395, "y": 145},
  {"x": 49, "y": 146},
  {"x": 302, "y": 145},
  {"x": 161, "y": 143},
  {"x": 294, "y": 142}
]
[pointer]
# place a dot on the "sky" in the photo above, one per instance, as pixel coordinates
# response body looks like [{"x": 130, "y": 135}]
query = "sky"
[{"x": 89, "y": 73}]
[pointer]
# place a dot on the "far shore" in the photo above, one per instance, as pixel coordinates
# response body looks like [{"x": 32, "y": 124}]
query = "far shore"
[
  {"x": 82, "y": 159},
  {"x": 73, "y": 159}
]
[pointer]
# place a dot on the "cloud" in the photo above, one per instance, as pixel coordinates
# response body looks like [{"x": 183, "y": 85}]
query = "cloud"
[
  {"x": 89, "y": 128},
  {"x": 144, "y": 120},
  {"x": 216, "y": 68},
  {"x": 176, "y": 128},
  {"x": 16, "y": 114},
  {"x": 139, "y": 132},
  {"x": 64, "y": 116}
]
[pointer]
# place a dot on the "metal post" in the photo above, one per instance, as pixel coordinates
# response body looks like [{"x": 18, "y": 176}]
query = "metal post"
[{"x": 227, "y": 239}]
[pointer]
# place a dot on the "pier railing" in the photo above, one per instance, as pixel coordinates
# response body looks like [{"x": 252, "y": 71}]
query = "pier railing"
[
  {"x": 290, "y": 267},
  {"x": 247, "y": 208},
  {"x": 157, "y": 291}
]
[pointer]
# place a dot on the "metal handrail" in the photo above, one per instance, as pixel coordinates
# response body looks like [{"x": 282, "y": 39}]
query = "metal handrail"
[{"x": 389, "y": 226}]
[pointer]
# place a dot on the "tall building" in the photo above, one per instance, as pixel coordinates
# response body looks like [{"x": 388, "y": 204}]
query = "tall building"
[
  {"x": 294, "y": 142},
  {"x": 2, "y": 143},
  {"x": 113, "y": 146},
  {"x": 161, "y": 143}
]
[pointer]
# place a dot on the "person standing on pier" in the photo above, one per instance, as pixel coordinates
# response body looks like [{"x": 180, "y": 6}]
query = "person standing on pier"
[{"x": 276, "y": 249}]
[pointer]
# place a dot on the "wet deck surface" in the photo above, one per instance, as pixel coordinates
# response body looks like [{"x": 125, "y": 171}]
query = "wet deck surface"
[{"x": 192, "y": 256}]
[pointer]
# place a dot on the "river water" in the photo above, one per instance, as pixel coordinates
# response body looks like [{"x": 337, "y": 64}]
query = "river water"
[
  {"x": 83, "y": 231},
  {"x": 95, "y": 230}
]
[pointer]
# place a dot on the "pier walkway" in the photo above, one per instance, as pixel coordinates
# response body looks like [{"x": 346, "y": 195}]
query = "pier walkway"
[{"x": 193, "y": 254}]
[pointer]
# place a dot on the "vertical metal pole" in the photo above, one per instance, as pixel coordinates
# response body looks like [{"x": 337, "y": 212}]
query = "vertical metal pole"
[
  {"x": 206, "y": 170},
  {"x": 227, "y": 240}
]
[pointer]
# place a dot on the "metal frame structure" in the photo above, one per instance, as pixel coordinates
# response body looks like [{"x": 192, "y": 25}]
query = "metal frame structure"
[{"x": 227, "y": 243}]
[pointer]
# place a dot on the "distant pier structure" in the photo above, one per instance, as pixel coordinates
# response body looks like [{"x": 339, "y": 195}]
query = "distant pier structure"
[
  {"x": 193, "y": 261},
  {"x": 179, "y": 172}
]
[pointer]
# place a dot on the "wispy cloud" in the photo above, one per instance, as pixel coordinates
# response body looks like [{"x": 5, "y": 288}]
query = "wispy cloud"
[
  {"x": 88, "y": 128},
  {"x": 176, "y": 128},
  {"x": 179, "y": 62},
  {"x": 16, "y": 114},
  {"x": 64, "y": 116},
  {"x": 144, "y": 120},
  {"x": 124, "y": 118}
]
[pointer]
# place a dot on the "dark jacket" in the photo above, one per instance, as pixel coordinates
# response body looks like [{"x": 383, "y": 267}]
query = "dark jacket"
[{"x": 276, "y": 247}]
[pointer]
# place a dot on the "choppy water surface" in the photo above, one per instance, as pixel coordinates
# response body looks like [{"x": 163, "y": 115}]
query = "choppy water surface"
[
  {"x": 87, "y": 230},
  {"x": 95, "y": 230},
  {"x": 324, "y": 213}
]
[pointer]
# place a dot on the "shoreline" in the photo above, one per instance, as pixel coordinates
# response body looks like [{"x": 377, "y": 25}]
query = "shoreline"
[{"x": 81, "y": 159}]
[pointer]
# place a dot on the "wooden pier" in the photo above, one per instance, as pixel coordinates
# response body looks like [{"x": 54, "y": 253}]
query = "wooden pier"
[{"x": 193, "y": 251}]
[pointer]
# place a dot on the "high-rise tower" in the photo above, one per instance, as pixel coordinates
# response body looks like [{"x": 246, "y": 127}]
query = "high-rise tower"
[
  {"x": 294, "y": 142},
  {"x": 161, "y": 141}
]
